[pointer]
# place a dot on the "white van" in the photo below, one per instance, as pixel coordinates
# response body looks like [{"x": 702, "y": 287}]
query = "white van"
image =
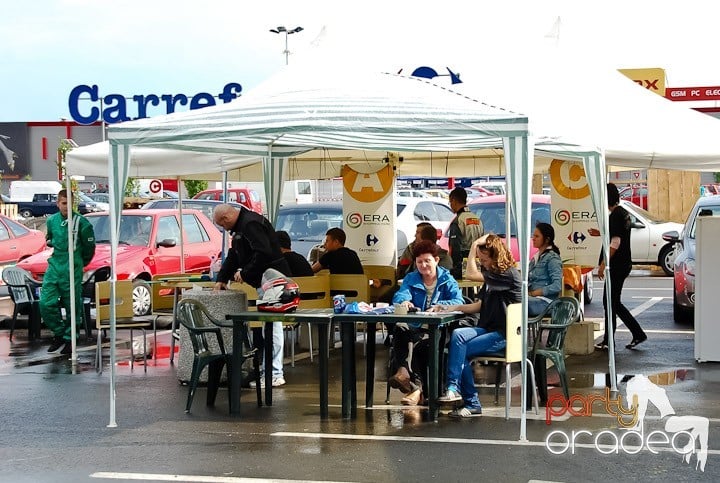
[
  {"x": 298, "y": 192},
  {"x": 25, "y": 190}
]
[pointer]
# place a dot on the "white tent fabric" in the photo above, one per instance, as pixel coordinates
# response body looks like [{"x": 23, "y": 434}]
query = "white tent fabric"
[{"x": 380, "y": 112}]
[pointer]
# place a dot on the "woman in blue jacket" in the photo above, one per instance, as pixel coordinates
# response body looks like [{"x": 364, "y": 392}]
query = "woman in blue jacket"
[
  {"x": 429, "y": 285},
  {"x": 545, "y": 270}
]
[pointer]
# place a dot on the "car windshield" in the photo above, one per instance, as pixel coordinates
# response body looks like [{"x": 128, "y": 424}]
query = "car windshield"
[
  {"x": 134, "y": 229},
  {"x": 308, "y": 224},
  {"x": 710, "y": 210},
  {"x": 492, "y": 216},
  {"x": 644, "y": 214}
]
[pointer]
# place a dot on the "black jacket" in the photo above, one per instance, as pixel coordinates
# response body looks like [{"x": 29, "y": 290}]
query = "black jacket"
[{"x": 255, "y": 248}]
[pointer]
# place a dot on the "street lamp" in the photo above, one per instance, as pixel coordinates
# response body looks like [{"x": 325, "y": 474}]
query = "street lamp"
[{"x": 282, "y": 30}]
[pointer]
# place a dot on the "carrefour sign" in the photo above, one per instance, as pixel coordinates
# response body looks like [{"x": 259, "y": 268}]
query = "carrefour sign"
[{"x": 86, "y": 106}]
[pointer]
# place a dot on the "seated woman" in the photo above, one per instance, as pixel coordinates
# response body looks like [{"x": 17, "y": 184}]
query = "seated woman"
[
  {"x": 502, "y": 287},
  {"x": 429, "y": 285},
  {"x": 545, "y": 271}
]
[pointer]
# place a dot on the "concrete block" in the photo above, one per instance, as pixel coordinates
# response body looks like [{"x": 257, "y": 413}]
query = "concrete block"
[{"x": 580, "y": 338}]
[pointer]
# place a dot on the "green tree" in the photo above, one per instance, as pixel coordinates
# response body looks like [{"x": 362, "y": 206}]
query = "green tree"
[
  {"x": 717, "y": 177},
  {"x": 195, "y": 186},
  {"x": 132, "y": 187}
]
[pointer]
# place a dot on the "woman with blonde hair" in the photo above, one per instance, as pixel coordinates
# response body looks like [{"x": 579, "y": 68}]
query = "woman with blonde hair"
[{"x": 502, "y": 287}]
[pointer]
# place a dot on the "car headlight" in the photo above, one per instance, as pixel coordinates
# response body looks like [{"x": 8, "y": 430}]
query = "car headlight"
[{"x": 689, "y": 267}]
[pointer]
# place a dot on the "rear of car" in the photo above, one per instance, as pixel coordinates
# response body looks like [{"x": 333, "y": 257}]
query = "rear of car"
[
  {"x": 247, "y": 197},
  {"x": 684, "y": 267}
]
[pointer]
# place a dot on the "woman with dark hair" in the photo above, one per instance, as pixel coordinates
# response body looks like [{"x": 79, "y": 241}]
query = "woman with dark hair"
[
  {"x": 428, "y": 285},
  {"x": 544, "y": 271},
  {"x": 502, "y": 287}
]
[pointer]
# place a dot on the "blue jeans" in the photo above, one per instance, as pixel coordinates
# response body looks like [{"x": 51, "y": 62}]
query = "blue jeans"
[
  {"x": 465, "y": 344},
  {"x": 536, "y": 305},
  {"x": 278, "y": 343}
]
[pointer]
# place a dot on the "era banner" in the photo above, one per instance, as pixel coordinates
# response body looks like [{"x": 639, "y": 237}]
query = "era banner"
[
  {"x": 369, "y": 214},
  {"x": 573, "y": 214}
]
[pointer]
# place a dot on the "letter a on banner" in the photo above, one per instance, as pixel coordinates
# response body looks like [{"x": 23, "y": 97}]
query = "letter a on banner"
[
  {"x": 369, "y": 214},
  {"x": 573, "y": 214}
]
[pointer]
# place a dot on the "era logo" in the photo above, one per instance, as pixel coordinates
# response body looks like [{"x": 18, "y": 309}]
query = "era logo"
[{"x": 367, "y": 187}]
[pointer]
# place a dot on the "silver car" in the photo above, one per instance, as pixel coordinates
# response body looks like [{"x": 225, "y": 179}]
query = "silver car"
[{"x": 684, "y": 267}]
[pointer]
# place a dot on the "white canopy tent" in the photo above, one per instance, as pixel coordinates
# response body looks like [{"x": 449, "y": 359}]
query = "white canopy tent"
[{"x": 378, "y": 112}]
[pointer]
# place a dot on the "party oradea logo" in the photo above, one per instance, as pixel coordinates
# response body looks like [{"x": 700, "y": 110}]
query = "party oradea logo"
[{"x": 683, "y": 435}]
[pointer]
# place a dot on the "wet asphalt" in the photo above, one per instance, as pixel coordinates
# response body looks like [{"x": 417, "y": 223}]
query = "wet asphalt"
[{"x": 54, "y": 417}]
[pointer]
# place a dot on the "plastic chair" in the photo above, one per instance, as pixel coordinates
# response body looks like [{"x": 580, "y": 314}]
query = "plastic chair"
[
  {"x": 560, "y": 315},
  {"x": 88, "y": 294},
  {"x": 512, "y": 353},
  {"x": 22, "y": 289},
  {"x": 354, "y": 286},
  {"x": 193, "y": 315},
  {"x": 314, "y": 294}
]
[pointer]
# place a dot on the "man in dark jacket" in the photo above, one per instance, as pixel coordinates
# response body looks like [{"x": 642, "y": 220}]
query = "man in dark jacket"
[
  {"x": 338, "y": 258},
  {"x": 299, "y": 266},
  {"x": 254, "y": 249}
]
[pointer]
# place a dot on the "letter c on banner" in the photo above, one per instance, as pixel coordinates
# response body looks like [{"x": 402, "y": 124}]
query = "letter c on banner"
[
  {"x": 367, "y": 187},
  {"x": 573, "y": 172}
]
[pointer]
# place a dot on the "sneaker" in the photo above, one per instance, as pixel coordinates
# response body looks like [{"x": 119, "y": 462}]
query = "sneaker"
[
  {"x": 466, "y": 412},
  {"x": 276, "y": 382},
  {"x": 635, "y": 342},
  {"x": 450, "y": 396},
  {"x": 67, "y": 349},
  {"x": 56, "y": 344}
]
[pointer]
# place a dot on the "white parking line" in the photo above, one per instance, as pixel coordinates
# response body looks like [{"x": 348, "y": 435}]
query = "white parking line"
[
  {"x": 645, "y": 305},
  {"x": 111, "y": 475}
]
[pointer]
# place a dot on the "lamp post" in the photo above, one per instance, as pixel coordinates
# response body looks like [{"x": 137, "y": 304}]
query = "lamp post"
[{"x": 283, "y": 30}]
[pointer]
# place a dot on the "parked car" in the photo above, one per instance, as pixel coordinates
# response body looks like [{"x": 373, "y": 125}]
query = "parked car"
[
  {"x": 307, "y": 224},
  {"x": 684, "y": 266},
  {"x": 18, "y": 242},
  {"x": 205, "y": 206},
  {"x": 245, "y": 196},
  {"x": 149, "y": 245},
  {"x": 647, "y": 243},
  {"x": 99, "y": 197},
  {"x": 99, "y": 205},
  {"x": 478, "y": 192},
  {"x": 636, "y": 194},
  {"x": 438, "y": 193},
  {"x": 411, "y": 193}
]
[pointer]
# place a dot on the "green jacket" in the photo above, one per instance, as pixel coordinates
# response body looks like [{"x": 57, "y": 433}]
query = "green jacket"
[{"x": 57, "y": 237}]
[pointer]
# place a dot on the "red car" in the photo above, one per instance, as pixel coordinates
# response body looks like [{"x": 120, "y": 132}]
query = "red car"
[
  {"x": 636, "y": 194},
  {"x": 247, "y": 197},
  {"x": 491, "y": 211},
  {"x": 149, "y": 245},
  {"x": 18, "y": 242}
]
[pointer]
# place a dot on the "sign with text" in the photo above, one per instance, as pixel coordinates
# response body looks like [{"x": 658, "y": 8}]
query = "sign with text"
[
  {"x": 369, "y": 214},
  {"x": 710, "y": 93},
  {"x": 652, "y": 79},
  {"x": 573, "y": 214}
]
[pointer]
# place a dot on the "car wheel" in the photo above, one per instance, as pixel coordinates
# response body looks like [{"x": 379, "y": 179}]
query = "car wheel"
[
  {"x": 26, "y": 213},
  {"x": 142, "y": 298},
  {"x": 681, "y": 315},
  {"x": 588, "y": 288},
  {"x": 666, "y": 259}
]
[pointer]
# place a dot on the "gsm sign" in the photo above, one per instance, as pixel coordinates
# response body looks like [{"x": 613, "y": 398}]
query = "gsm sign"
[{"x": 568, "y": 179}]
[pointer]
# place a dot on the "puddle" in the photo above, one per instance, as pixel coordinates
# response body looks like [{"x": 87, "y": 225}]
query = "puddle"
[{"x": 599, "y": 380}]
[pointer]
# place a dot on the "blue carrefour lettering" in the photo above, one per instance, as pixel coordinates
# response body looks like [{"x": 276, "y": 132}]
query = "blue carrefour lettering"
[
  {"x": 74, "y": 107},
  {"x": 115, "y": 106}
]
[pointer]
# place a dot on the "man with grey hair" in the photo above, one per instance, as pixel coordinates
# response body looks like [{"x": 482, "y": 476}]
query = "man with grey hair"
[{"x": 254, "y": 249}]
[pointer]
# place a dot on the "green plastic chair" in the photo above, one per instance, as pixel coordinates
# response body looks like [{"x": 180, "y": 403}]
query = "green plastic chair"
[
  {"x": 194, "y": 316},
  {"x": 552, "y": 326}
]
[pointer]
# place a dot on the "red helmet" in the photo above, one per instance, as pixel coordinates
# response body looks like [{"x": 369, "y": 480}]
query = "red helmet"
[{"x": 279, "y": 294}]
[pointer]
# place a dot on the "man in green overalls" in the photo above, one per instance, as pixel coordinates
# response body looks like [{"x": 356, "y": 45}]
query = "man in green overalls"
[{"x": 56, "y": 282}]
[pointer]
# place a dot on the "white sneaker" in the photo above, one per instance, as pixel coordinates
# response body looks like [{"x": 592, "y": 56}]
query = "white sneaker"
[{"x": 276, "y": 381}]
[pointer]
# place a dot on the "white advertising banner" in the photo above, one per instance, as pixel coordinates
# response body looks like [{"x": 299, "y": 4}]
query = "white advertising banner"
[
  {"x": 369, "y": 214},
  {"x": 573, "y": 214}
]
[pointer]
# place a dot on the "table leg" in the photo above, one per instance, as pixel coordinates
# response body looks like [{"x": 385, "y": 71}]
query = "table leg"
[
  {"x": 268, "y": 362},
  {"x": 349, "y": 391},
  {"x": 173, "y": 325},
  {"x": 433, "y": 380},
  {"x": 370, "y": 328},
  {"x": 323, "y": 355},
  {"x": 257, "y": 337},
  {"x": 236, "y": 372}
]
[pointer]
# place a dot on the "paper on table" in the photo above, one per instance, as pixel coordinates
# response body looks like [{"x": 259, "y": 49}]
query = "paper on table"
[{"x": 450, "y": 312}]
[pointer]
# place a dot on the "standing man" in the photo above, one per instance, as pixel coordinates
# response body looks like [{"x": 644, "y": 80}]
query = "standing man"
[
  {"x": 464, "y": 229},
  {"x": 56, "y": 282},
  {"x": 620, "y": 267},
  {"x": 299, "y": 266},
  {"x": 338, "y": 258},
  {"x": 254, "y": 249}
]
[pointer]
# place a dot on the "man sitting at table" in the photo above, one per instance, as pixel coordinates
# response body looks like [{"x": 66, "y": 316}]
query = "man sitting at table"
[{"x": 338, "y": 258}]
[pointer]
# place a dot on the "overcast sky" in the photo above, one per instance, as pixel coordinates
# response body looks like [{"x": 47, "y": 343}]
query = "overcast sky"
[{"x": 158, "y": 47}]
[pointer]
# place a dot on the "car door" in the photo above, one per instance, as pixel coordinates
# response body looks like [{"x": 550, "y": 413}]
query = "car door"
[
  {"x": 639, "y": 237},
  {"x": 167, "y": 259},
  {"x": 8, "y": 246},
  {"x": 198, "y": 250}
]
